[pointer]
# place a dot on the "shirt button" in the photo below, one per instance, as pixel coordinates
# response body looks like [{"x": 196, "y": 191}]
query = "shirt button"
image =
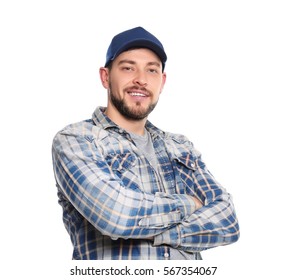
[
  {"x": 166, "y": 255},
  {"x": 193, "y": 165}
]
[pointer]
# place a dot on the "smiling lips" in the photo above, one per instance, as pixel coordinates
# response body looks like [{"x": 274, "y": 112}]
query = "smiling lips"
[{"x": 138, "y": 93}]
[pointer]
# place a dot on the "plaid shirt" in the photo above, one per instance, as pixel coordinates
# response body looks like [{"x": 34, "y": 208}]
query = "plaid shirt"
[{"x": 117, "y": 206}]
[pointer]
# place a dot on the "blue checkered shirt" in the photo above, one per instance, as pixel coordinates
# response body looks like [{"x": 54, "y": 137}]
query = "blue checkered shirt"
[{"x": 116, "y": 205}]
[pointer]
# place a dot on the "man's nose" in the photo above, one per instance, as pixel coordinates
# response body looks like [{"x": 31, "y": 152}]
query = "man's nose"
[{"x": 140, "y": 79}]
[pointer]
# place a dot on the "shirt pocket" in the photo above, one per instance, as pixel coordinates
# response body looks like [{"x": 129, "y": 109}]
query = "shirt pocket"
[
  {"x": 124, "y": 167},
  {"x": 121, "y": 162},
  {"x": 185, "y": 167}
]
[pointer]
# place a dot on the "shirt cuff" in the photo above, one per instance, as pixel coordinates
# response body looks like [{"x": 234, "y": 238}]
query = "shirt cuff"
[
  {"x": 186, "y": 204},
  {"x": 171, "y": 237},
  {"x": 158, "y": 221},
  {"x": 185, "y": 207}
]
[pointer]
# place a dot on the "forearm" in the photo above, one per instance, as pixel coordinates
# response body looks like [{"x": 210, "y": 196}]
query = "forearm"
[
  {"x": 214, "y": 223},
  {"x": 210, "y": 226}
]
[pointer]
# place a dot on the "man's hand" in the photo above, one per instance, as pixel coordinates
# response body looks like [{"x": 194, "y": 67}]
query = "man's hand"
[{"x": 197, "y": 202}]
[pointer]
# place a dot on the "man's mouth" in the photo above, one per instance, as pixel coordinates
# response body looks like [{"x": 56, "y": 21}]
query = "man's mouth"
[{"x": 138, "y": 94}]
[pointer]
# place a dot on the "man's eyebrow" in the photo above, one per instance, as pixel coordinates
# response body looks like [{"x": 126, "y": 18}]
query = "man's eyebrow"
[
  {"x": 155, "y": 63},
  {"x": 151, "y": 63},
  {"x": 126, "y": 61}
]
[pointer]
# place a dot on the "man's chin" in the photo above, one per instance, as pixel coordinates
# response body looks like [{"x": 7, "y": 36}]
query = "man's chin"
[
  {"x": 135, "y": 115},
  {"x": 136, "y": 111}
]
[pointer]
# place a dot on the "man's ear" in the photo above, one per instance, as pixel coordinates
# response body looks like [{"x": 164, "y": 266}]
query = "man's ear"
[
  {"x": 164, "y": 77},
  {"x": 104, "y": 76}
]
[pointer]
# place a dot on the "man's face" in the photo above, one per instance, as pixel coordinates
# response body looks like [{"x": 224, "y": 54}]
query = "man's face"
[{"x": 135, "y": 83}]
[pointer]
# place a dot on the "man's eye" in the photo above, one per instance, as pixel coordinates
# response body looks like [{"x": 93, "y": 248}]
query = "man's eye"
[
  {"x": 153, "y": 71},
  {"x": 126, "y": 68}
]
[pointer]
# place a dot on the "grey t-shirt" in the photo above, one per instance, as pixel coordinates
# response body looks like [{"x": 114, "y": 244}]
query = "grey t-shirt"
[{"x": 145, "y": 144}]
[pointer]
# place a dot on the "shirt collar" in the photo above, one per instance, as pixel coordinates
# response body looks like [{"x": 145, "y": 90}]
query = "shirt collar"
[{"x": 101, "y": 120}]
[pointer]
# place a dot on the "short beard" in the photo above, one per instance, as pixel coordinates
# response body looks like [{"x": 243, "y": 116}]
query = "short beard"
[{"x": 129, "y": 113}]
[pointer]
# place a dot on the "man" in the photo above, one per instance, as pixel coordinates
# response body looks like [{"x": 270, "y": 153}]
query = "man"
[{"x": 128, "y": 189}]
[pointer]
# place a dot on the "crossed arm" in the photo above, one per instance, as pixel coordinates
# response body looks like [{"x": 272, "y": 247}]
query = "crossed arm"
[{"x": 179, "y": 220}]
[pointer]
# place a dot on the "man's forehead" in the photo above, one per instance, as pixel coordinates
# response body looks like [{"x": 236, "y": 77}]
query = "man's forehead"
[{"x": 138, "y": 54}]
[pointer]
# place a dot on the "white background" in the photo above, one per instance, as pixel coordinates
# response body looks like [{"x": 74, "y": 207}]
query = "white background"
[{"x": 225, "y": 90}]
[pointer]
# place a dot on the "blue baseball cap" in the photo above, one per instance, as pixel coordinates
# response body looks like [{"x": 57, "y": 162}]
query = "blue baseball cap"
[{"x": 137, "y": 37}]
